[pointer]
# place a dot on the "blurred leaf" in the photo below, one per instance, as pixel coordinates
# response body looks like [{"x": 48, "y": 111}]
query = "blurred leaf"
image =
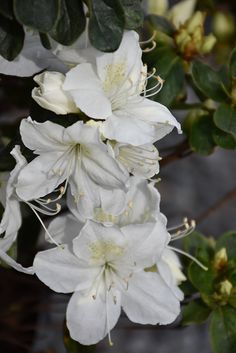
[
  {"x": 38, "y": 14},
  {"x": 201, "y": 279},
  {"x": 45, "y": 40},
  {"x": 225, "y": 118},
  {"x": 11, "y": 38},
  {"x": 6, "y": 8},
  {"x": 228, "y": 241},
  {"x": 195, "y": 242},
  {"x": 232, "y": 63},
  {"x": 195, "y": 312},
  {"x": 133, "y": 13},
  {"x": 223, "y": 139},
  {"x": 208, "y": 81},
  {"x": 201, "y": 139},
  {"x": 71, "y": 22},
  {"x": 74, "y": 346},
  {"x": 161, "y": 24},
  {"x": 106, "y": 24},
  {"x": 223, "y": 330}
]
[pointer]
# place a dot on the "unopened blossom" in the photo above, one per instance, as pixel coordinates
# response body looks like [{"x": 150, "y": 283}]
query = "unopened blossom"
[
  {"x": 106, "y": 273},
  {"x": 49, "y": 94},
  {"x": 11, "y": 219},
  {"x": 110, "y": 90},
  {"x": 141, "y": 161},
  {"x": 74, "y": 155}
]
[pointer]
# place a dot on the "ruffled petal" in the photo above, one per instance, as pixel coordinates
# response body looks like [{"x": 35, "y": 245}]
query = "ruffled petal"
[
  {"x": 148, "y": 300},
  {"x": 86, "y": 89},
  {"x": 61, "y": 270},
  {"x": 88, "y": 319},
  {"x": 64, "y": 229}
]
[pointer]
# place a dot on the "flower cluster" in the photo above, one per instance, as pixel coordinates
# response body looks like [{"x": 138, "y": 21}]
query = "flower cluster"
[{"x": 111, "y": 247}]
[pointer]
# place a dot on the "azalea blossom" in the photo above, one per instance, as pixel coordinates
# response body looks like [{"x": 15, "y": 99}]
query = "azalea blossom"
[
  {"x": 73, "y": 155},
  {"x": 110, "y": 89},
  {"x": 49, "y": 94},
  {"x": 106, "y": 273},
  {"x": 142, "y": 161},
  {"x": 11, "y": 219}
]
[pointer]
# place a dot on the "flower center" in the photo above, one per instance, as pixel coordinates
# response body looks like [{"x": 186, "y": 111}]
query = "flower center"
[{"x": 105, "y": 251}]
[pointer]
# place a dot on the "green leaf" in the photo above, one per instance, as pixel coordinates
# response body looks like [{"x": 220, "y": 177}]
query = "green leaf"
[
  {"x": 228, "y": 241},
  {"x": 223, "y": 139},
  {"x": 195, "y": 242},
  {"x": 106, "y": 24},
  {"x": 71, "y": 22},
  {"x": 11, "y": 38},
  {"x": 208, "y": 81},
  {"x": 133, "y": 13},
  {"x": 170, "y": 69},
  {"x": 45, "y": 40},
  {"x": 38, "y": 14},
  {"x": 201, "y": 279},
  {"x": 195, "y": 312},
  {"x": 223, "y": 330},
  {"x": 160, "y": 23},
  {"x": 232, "y": 63},
  {"x": 6, "y": 8},
  {"x": 225, "y": 118},
  {"x": 201, "y": 139}
]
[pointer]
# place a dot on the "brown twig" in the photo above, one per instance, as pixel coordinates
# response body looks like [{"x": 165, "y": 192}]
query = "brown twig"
[
  {"x": 181, "y": 151},
  {"x": 220, "y": 203}
]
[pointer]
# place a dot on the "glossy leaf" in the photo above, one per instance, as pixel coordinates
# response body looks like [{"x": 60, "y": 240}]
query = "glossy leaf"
[
  {"x": 195, "y": 312},
  {"x": 160, "y": 23},
  {"x": 38, "y": 14},
  {"x": 106, "y": 24},
  {"x": 223, "y": 139},
  {"x": 71, "y": 22},
  {"x": 223, "y": 330},
  {"x": 208, "y": 81},
  {"x": 11, "y": 38},
  {"x": 201, "y": 139},
  {"x": 133, "y": 13},
  {"x": 225, "y": 118}
]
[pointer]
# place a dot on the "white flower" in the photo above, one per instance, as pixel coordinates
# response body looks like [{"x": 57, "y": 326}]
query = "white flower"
[
  {"x": 110, "y": 90},
  {"x": 50, "y": 95},
  {"x": 169, "y": 267},
  {"x": 141, "y": 204},
  {"x": 141, "y": 161},
  {"x": 75, "y": 155},
  {"x": 11, "y": 220},
  {"x": 105, "y": 270}
]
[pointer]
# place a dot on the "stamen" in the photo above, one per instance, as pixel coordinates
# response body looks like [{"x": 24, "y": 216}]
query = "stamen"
[
  {"x": 189, "y": 256},
  {"x": 148, "y": 50},
  {"x": 150, "y": 39},
  {"x": 40, "y": 220},
  {"x": 181, "y": 233}
]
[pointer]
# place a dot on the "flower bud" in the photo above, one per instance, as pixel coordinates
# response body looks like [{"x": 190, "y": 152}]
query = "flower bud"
[
  {"x": 226, "y": 287},
  {"x": 50, "y": 95},
  {"x": 221, "y": 259},
  {"x": 223, "y": 25},
  {"x": 181, "y": 12},
  {"x": 157, "y": 7},
  {"x": 208, "y": 44}
]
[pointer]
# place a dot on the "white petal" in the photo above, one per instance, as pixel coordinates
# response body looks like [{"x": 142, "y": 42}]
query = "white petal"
[
  {"x": 61, "y": 270},
  {"x": 143, "y": 203},
  {"x": 120, "y": 71},
  {"x": 11, "y": 262},
  {"x": 148, "y": 300},
  {"x": 98, "y": 244},
  {"x": 64, "y": 229},
  {"x": 89, "y": 320},
  {"x": 42, "y": 175},
  {"x": 42, "y": 137},
  {"x": 87, "y": 92},
  {"x": 112, "y": 201},
  {"x": 166, "y": 274},
  {"x": 147, "y": 241}
]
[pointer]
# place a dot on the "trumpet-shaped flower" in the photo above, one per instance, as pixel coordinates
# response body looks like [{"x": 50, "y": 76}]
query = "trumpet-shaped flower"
[
  {"x": 11, "y": 220},
  {"x": 75, "y": 155},
  {"x": 106, "y": 273},
  {"x": 111, "y": 90},
  {"x": 141, "y": 161}
]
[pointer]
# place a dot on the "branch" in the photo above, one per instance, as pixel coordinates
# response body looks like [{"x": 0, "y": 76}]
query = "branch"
[
  {"x": 181, "y": 151},
  {"x": 220, "y": 203}
]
